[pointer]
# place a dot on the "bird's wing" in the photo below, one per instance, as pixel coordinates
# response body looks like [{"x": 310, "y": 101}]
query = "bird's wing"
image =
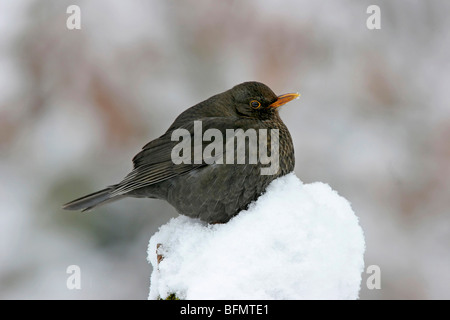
[{"x": 154, "y": 163}]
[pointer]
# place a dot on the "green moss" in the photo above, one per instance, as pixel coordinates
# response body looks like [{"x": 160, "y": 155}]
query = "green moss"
[{"x": 171, "y": 296}]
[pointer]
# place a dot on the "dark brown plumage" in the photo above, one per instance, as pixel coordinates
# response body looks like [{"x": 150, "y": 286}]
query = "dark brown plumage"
[{"x": 212, "y": 192}]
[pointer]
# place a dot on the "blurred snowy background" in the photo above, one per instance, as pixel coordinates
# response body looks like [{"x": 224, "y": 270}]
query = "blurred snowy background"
[{"x": 75, "y": 107}]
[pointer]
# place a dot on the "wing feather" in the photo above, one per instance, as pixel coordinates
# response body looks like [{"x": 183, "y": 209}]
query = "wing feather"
[{"x": 154, "y": 164}]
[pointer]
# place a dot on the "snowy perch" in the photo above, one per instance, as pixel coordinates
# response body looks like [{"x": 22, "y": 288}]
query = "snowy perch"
[{"x": 297, "y": 241}]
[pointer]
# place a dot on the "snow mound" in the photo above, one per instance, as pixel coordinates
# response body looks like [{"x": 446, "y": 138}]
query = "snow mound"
[{"x": 297, "y": 241}]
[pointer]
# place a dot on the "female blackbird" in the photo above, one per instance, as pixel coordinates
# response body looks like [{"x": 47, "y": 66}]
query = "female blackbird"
[{"x": 212, "y": 189}]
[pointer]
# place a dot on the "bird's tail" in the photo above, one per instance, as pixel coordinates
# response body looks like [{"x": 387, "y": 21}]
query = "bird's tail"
[{"x": 92, "y": 200}]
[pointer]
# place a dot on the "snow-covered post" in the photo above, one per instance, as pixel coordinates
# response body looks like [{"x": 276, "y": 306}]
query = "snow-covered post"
[{"x": 297, "y": 241}]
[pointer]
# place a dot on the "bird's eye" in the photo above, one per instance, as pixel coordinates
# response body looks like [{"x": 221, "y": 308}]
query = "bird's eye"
[{"x": 255, "y": 104}]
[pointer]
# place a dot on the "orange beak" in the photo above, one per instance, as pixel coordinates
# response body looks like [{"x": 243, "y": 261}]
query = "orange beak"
[{"x": 283, "y": 99}]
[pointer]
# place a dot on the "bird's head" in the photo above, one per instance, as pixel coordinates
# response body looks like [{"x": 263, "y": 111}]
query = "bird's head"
[{"x": 256, "y": 100}]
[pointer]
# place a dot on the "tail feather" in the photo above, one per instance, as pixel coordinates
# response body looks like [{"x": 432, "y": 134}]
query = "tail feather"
[{"x": 92, "y": 200}]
